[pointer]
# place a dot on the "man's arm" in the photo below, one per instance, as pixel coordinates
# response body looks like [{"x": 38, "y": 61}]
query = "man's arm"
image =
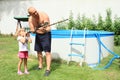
[
  {"x": 47, "y": 21},
  {"x": 45, "y": 27},
  {"x": 32, "y": 28}
]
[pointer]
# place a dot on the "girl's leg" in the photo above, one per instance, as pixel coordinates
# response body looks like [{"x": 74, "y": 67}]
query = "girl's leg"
[
  {"x": 25, "y": 66},
  {"x": 19, "y": 65}
]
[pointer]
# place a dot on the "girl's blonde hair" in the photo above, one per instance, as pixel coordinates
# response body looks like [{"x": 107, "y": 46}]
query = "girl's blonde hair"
[{"x": 19, "y": 31}]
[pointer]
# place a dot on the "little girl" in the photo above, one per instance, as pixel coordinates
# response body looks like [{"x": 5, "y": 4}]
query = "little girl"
[{"x": 23, "y": 39}]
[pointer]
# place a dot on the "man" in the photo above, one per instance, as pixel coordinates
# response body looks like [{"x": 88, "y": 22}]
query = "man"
[{"x": 40, "y": 24}]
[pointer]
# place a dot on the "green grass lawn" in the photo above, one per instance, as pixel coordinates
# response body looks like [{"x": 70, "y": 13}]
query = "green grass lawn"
[{"x": 59, "y": 69}]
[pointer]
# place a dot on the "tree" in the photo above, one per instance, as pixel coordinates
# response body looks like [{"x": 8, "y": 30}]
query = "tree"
[
  {"x": 117, "y": 30},
  {"x": 108, "y": 21},
  {"x": 71, "y": 22},
  {"x": 78, "y": 22},
  {"x": 100, "y": 23}
]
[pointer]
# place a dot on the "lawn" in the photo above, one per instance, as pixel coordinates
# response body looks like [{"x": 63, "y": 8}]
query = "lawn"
[{"x": 59, "y": 69}]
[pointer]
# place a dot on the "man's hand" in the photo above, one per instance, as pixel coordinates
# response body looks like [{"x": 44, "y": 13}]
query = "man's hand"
[
  {"x": 41, "y": 30},
  {"x": 32, "y": 31}
]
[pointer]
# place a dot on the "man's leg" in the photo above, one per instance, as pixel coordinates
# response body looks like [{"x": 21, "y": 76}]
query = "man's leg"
[
  {"x": 48, "y": 60},
  {"x": 40, "y": 60}
]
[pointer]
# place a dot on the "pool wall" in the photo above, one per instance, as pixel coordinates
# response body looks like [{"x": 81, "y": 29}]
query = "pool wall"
[{"x": 61, "y": 47}]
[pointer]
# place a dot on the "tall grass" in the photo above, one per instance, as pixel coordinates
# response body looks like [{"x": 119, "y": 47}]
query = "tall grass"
[{"x": 59, "y": 69}]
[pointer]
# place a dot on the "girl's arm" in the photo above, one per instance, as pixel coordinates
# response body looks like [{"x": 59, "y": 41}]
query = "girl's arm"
[
  {"x": 29, "y": 40},
  {"x": 22, "y": 40},
  {"x": 28, "y": 37}
]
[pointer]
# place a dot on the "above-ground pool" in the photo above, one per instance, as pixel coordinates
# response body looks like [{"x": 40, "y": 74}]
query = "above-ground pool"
[{"x": 93, "y": 49}]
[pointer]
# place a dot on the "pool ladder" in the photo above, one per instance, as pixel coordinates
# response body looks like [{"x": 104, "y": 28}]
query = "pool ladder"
[{"x": 81, "y": 54}]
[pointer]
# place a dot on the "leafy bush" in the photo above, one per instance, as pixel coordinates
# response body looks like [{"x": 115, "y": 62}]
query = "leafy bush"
[{"x": 94, "y": 24}]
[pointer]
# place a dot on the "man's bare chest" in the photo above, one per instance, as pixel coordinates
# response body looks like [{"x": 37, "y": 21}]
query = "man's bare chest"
[{"x": 38, "y": 23}]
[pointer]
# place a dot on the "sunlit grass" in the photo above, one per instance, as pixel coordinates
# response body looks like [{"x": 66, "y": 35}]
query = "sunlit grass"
[{"x": 59, "y": 69}]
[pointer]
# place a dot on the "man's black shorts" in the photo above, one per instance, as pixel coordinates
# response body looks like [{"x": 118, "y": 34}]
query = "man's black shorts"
[{"x": 43, "y": 42}]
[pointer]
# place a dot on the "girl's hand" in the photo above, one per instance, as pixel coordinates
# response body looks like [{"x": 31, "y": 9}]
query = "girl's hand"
[{"x": 29, "y": 40}]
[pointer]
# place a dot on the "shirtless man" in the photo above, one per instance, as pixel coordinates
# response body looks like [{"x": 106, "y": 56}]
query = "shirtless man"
[{"x": 43, "y": 36}]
